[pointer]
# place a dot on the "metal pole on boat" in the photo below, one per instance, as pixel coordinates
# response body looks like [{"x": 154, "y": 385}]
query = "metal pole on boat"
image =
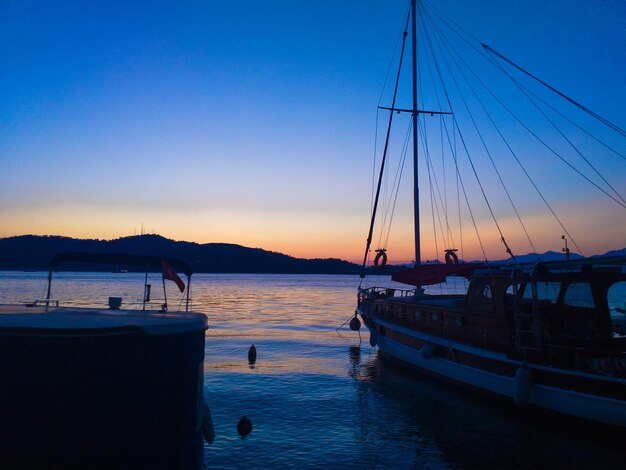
[
  {"x": 164, "y": 291},
  {"x": 416, "y": 199},
  {"x": 145, "y": 286},
  {"x": 188, "y": 291},
  {"x": 49, "y": 289}
]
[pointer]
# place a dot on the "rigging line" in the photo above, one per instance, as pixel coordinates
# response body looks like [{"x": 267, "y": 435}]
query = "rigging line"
[
  {"x": 374, "y": 164},
  {"x": 399, "y": 178},
  {"x": 456, "y": 130},
  {"x": 378, "y": 109},
  {"x": 453, "y": 52},
  {"x": 569, "y": 142},
  {"x": 562, "y": 95},
  {"x": 393, "y": 57},
  {"x": 458, "y": 195},
  {"x": 621, "y": 203},
  {"x": 432, "y": 174},
  {"x": 480, "y": 185},
  {"x": 382, "y": 166},
  {"x": 445, "y": 183},
  {"x": 447, "y": 21},
  {"x": 572, "y": 122},
  {"x": 454, "y": 154},
  {"x": 434, "y": 87},
  {"x": 425, "y": 149},
  {"x": 530, "y": 179},
  {"x": 458, "y": 178},
  {"x": 390, "y": 207},
  {"x": 434, "y": 207},
  {"x": 469, "y": 207},
  {"x": 492, "y": 61},
  {"x": 436, "y": 199},
  {"x": 481, "y": 52}
]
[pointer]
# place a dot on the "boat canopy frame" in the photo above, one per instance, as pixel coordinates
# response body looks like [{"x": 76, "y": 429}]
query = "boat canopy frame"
[{"x": 150, "y": 263}]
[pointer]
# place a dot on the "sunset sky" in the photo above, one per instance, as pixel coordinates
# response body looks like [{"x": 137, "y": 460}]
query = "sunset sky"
[{"x": 254, "y": 122}]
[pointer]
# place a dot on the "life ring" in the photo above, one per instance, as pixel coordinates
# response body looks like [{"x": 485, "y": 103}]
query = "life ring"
[
  {"x": 451, "y": 257},
  {"x": 381, "y": 258}
]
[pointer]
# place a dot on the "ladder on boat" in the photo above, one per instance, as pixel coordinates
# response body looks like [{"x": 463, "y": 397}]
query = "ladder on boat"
[{"x": 527, "y": 324}]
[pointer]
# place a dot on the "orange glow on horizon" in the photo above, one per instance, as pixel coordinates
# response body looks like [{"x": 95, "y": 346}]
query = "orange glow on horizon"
[{"x": 318, "y": 235}]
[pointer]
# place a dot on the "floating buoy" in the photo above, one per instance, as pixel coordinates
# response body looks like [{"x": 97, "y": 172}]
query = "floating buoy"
[
  {"x": 427, "y": 351},
  {"x": 521, "y": 386},
  {"x": 207, "y": 425},
  {"x": 355, "y": 324},
  {"x": 373, "y": 337},
  {"x": 244, "y": 426},
  {"x": 252, "y": 354}
]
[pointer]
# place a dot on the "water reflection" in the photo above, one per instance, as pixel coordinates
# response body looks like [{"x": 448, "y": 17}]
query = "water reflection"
[
  {"x": 435, "y": 424},
  {"x": 317, "y": 397}
]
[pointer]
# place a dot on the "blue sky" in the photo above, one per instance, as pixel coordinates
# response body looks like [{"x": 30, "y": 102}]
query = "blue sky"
[{"x": 248, "y": 122}]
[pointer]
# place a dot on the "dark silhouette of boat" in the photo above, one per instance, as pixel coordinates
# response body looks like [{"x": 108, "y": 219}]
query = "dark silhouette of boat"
[{"x": 102, "y": 387}]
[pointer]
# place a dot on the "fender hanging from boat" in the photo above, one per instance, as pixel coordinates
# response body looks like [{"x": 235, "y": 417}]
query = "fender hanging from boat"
[
  {"x": 522, "y": 385},
  {"x": 373, "y": 337}
]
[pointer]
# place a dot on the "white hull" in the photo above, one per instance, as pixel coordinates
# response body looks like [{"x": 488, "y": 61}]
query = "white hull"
[{"x": 582, "y": 405}]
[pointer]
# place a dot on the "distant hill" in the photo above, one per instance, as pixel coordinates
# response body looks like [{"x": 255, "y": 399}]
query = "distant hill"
[
  {"x": 621, "y": 252},
  {"x": 547, "y": 256},
  {"x": 560, "y": 256},
  {"x": 30, "y": 252}
]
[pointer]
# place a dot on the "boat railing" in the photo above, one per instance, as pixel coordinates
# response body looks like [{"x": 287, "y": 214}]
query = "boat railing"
[
  {"x": 372, "y": 293},
  {"x": 46, "y": 302},
  {"x": 606, "y": 361}
]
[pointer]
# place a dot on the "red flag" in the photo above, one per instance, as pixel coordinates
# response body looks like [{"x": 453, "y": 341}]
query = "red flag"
[{"x": 170, "y": 274}]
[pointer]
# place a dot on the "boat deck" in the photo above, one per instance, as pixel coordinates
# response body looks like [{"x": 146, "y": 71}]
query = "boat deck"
[{"x": 75, "y": 318}]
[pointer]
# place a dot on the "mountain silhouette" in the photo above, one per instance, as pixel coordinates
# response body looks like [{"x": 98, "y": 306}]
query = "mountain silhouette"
[{"x": 32, "y": 252}]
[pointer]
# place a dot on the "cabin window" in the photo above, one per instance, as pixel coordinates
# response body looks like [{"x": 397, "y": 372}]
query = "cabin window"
[
  {"x": 480, "y": 296},
  {"x": 545, "y": 291},
  {"x": 578, "y": 294},
  {"x": 616, "y": 298},
  {"x": 486, "y": 291},
  {"x": 483, "y": 291}
]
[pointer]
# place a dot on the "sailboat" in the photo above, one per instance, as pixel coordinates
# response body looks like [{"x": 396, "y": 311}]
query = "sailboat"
[{"x": 542, "y": 334}]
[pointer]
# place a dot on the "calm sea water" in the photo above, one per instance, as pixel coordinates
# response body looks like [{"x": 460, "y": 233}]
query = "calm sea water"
[{"x": 318, "y": 397}]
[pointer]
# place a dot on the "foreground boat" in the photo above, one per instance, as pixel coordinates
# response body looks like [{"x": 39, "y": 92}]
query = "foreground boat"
[
  {"x": 540, "y": 333},
  {"x": 102, "y": 387}
]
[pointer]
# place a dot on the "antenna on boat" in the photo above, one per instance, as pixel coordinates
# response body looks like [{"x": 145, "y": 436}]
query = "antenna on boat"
[{"x": 565, "y": 248}]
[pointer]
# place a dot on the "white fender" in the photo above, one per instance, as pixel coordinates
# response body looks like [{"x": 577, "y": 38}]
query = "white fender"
[
  {"x": 427, "y": 351},
  {"x": 522, "y": 385},
  {"x": 373, "y": 337},
  {"x": 207, "y": 425}
]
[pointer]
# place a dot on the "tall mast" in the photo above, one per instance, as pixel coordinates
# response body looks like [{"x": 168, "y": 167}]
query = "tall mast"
[{"x": 416, "y": 199}]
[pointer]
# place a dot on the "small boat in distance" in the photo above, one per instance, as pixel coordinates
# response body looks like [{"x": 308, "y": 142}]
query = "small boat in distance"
[
  {"x": 103, "y": 386},
  {"x": 543, "y": 334}
]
